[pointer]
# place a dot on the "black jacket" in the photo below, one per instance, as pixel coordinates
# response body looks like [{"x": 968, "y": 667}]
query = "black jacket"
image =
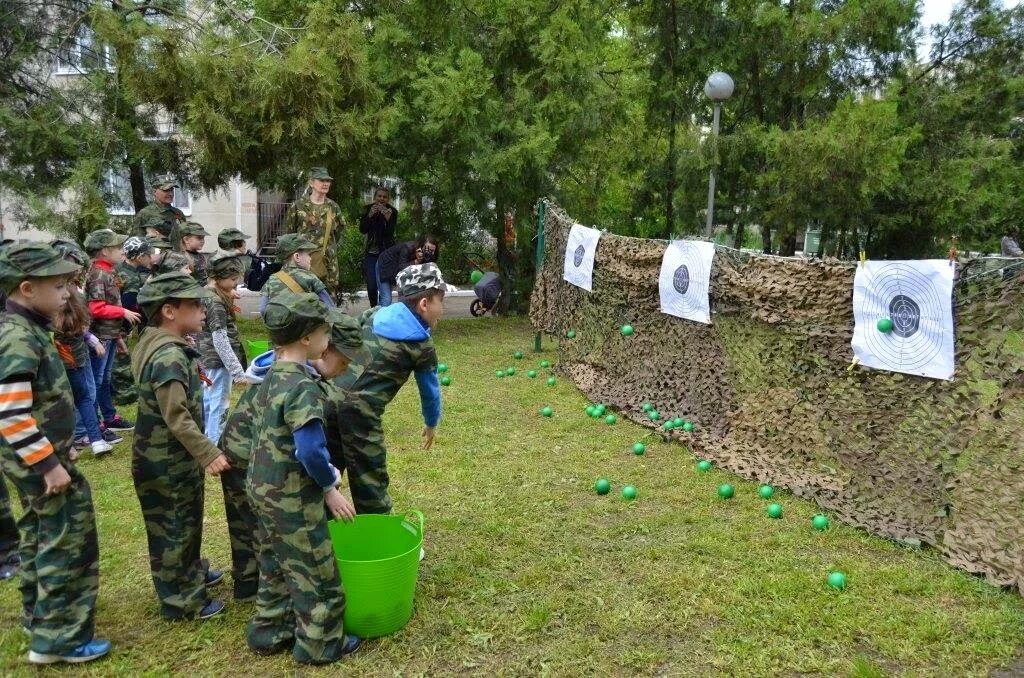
[
  {"x": 395, "y": 258},
  {"x": 380, "y": 232}
]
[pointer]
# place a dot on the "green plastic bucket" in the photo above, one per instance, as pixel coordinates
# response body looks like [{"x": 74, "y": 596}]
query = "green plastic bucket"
[
  {"x": 258, "y": 348},
  {"x": 379, "y": 560}
]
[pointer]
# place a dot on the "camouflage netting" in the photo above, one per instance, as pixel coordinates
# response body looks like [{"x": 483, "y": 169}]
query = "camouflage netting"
[{"x": 768, "y": 387}]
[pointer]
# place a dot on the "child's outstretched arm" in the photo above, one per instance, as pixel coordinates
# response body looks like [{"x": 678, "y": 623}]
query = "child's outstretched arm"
[
  {"x": 311, "y": 451},
  {"x": 430, "y": 402}
]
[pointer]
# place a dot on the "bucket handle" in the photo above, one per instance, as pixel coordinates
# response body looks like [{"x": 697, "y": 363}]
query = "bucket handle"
[{"x": 413, "y": 517}]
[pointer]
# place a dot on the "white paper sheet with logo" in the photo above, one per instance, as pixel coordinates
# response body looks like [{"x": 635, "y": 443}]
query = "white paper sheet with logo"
[
  {"x": 685, "y": 280},
  {"x": 916, "y": 298},
  {"x": 580, "y": 250}
]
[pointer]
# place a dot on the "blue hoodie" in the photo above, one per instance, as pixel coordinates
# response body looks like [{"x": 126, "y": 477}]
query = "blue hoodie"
[{"x": 398, "y": 323}]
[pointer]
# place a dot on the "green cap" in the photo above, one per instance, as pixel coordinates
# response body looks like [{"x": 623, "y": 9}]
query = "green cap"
[
  {"x": 230, "y": 235},
  {"x": 174, "y": 261},
  {"x": 157, "y": 223},
  {"x": 224, "y": 266},
  {"x": 291, "y": 243},
  {"x": 32, "y": 260},
  {"x": 419, "y": 278},
  {"x": 71, "y": 251},
  {"x": 164, "y": 183},
  {"x": 320, "y": 173},
  {"x": 104, "y": 237},
  {"x": 158, "y": 242},
  {"x": 136, "y": 247},
  {"x": 192, "y": 228},
  {"x": 346, "y": 334},
  {"x": 290, "y": 316},
  {"x": 175, "y": 285}
]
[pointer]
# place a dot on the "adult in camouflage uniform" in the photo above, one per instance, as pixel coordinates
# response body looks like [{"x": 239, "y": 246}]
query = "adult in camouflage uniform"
[
  {"x": 294, "y": 252},
  {"x": 159, "y": 215},
  {"x": 170, "y": 452},
  {"x": 398, "y": 342},
  {"x": 132, "y": 271},
  {"x": 319, "y": 218},
  {"x": 59, "y": 548},
  {"x": 291, "y": 485},
  {"x": 232, "y": 241},
  {"x": 190, "y": 243}
]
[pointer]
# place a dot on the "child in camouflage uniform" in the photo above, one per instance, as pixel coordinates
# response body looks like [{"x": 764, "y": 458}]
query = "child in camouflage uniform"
[
  {"x": 59, "y": 549},
  {"x": 132, "y": 271},
  {"x": 232, "y": 241},
  {"x": 169, "y": 451},
  {"x": 294, "y": 253},
  {"x": 191, "y": 239},
  {"x": 397, "y": 338},
  {"x": 174, "y": 261},
  {"x": 292, "y": 486}
]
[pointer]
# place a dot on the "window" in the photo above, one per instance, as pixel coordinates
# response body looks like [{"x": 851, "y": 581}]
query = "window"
[
  {"x": 84, "y": 53},
  {"x": 117, "y": 193}
]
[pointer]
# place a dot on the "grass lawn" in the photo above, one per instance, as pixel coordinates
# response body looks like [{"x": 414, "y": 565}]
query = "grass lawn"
[{"x": 528, "y": 571}]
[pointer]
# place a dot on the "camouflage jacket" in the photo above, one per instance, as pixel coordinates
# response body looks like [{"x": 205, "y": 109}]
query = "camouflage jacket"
[
  {"x": 103, "y": 285},
  {"x": 132, "y": 278},
  {"x": 199, "y": 267},
  {"x": 26, "y": 349},
  {"x": 168, "y": 214},
  {"x": 218, "y": 317},
  {"x": 306, "y": 280},
  {"x": 323, "y": 224}
]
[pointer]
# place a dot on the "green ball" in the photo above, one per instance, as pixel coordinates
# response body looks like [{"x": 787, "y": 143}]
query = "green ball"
[
  {"x": 442, "y": 368},
  {"x": 688, "y": 426},
  {"x": 677, "y": 422},
  {"x": 766, "y": 492},
  {"x": 627, "y": 330},
  {"x": 704, "y": 465},
  {"x": 775, "y": 511},
  {"x": 726, "y": 491},
  {"x": 552, "y": 381},
  {"x": 545, "y": 364},
  {"x": 600, "y": 410},
  {"x": 594, "y": 412},
  {"x": 499, "y": 374},
  {"x": 476, "y": 276},
  {"x": 589, "y": 410},
  {"x": 518, "y": 355},
  {"x": 820, "y": 522},
  {"x": 629, "y": 492},
  {"x": 669, "y": 425},
  {"x": 510, "y": 371},
  {"x": 639, "y": 448},
  {"x": 610, "y": 419},
  {"x": 836, "y": 580},
  {"x": 571, "y": 334},
  {"x": 653, "y": 415},
  {"x": 446, "y": 380},
  {"x": 546, "y": 411},
  {"x": 648, "y": 407},
  {"x": 532, "y": 374},
  {"x": 884, "y": 325},
  {"x": 602, "y": 486}
]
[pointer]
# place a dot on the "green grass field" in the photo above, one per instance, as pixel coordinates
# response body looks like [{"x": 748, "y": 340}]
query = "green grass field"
[{"x": 528, "y": 571}]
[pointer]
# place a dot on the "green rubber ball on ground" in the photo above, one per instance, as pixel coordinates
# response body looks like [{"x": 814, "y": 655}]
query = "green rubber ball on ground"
[
  {"x": 820, "y": 522},
  {"x": 476, "y": 276},
  {"x": 775, "y": 511},
  {"x": 884, "y": 325},
  {"x": 726, "y": 491},
  {"x": 677, "y": 422},
  {"x": 629, "y": 492},
  {"x": 600, "y": 410},
  {"x": 766, "y": 491},
  {"x": 688, "y": 426},
  {"x": 545, "y": 364},
  {"x": 532, "y": 374},
  {"x": 518, "y": 355},
  {"x": 836, "y": 580},
  {"x": 610, "y": 419},
  {"x": 510, "y": 371},
  {"x": 602, "y": 486},
  {"x": 552, "y": 381},
  {"x": 446, "y": 380},
  {"x": 571, "y": 334},
  {"x": 546, "y": 411},
  {"x": 653, "y": 415},
  {"x": 669, "y": 425},
  {"x": 639, "y": 448},
  {"x": 704, "y": 465},
  {"x": 627, "y": 330},
  {"x": 589, "y": 410},
  {"x": 442, "y": 368},
  {"x": 648, "y": 407},
  {"x": 499, "y": 374}
]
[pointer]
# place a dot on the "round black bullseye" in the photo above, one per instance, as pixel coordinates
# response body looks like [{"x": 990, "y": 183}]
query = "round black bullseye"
[
  {"x": 906, "y": 316},
  {"x": 577, "y": 256},
  {"x": 681, "y": 279}
]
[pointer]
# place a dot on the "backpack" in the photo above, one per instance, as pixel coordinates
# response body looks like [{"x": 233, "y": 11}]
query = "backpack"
[{"x": 260, "y": 271}]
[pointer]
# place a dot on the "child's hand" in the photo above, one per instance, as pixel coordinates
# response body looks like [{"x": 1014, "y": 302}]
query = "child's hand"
[
  {"x": 121, "y": 346},
  {"x": 218, "y": 465},
  {"x": 428, "y": 437},
  {"x": 56, "y": 479},
  {"x": 339, "y": 504},
  {"x": 100, "y": 350},
  {"x": 132, "y": 317}
]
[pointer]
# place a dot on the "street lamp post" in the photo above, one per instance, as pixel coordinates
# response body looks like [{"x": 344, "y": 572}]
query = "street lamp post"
[{"x": 718, "y": 88}]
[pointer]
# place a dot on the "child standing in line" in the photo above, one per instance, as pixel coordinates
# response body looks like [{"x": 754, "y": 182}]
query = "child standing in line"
[
  {"x": 295, "y": 252},
  {"x": 132, "y": 272},
  {"x": 170, "y": 452},
  {"x": 293, "y": 489},
  {"x": 232, "y": 241},
  {"x": 219, "y": 344},
  {"x": 104, "y": 296},
  {"x": 59, "y": 548},
  {"x": 191, "y": 242}
]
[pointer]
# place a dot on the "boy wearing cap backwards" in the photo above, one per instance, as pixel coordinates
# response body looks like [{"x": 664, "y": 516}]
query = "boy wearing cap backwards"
[
  {"x": 294, "y": 251},
  {"x": 170, "y": 451},
  {"x": 239, "y": 432},
  {"x": 232, "y": 241},
  {"x": 292, "y": 486},
  {"x": 103, "y": 294},
  {"x": 59, "y": 550},
  {"x": 191, "y": 240},
  {"x": 397, "y": 338}
]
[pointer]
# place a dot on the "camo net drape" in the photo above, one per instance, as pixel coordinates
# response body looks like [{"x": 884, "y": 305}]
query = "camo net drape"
[{"x": 768, "y": 387}]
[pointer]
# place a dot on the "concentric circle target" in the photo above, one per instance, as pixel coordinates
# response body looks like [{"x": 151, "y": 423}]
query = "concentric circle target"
[
  {"x": 577, "y": 256},
  {"x": 908, "y": 298},
  {"x": 681, "y": 279}
]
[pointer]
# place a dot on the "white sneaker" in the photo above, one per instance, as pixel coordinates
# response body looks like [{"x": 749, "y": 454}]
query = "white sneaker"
[
  {"x": 101, "y": 447},
  {"x": 423, "y": 554}
]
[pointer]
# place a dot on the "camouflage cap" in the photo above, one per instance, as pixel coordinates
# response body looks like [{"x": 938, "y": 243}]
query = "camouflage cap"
[
  {"x": 32, "y": 260},
  {"x": 158, "y": 224},
  {"x": 230, "y": 235},
  {"x": 419, "y": 278},
  {"x": 71, "y": 251},
  {"x": 104, "y": 237},
  {"x": 192, "y": 228},
  {"x": 158, "y": 242},
  {"x": 175, "y": 285},
  {"x": 291, "y": 243},
  {"x": 136, "y": 247},
  {"x": 320, "y": 173},
  {"x": 224, "y": 266},
  {"x": 346, "y": 334},
  {"x": 164, "y": 183},
  {"x": 174, "y": 261},
  {"x": 290, "y": 316}
]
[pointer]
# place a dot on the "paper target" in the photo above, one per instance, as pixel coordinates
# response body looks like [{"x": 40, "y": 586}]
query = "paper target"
[
  {"x": 685, "y": 280},
  {"x": 916, "y": 296},
  {"x": 580, "y": 250}
]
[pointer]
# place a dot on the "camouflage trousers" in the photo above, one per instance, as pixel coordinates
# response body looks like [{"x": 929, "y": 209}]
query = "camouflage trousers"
[
  {"x": 360, "y": 450},
  {"x": 242, "y": 528},
  {"x": 122, "y": 385},
  {"x": 170, "y": 492},
  {"x": 300, "y": 594},
  {"x": 59, "y": 558},
  {"x": 8, "y": 528}
]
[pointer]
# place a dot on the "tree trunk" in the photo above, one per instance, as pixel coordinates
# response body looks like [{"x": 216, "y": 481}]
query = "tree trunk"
[
  {"x": 138, "y": 180},
  {"x": 766, "y": 238},
  {"x": 506, "y": 264}
]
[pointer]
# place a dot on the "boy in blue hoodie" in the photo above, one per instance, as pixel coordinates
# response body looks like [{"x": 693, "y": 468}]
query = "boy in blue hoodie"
[{"x": 397, "y": 341}]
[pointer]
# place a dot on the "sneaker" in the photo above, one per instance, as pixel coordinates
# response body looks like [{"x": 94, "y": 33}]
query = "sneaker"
[
  {"x": 9, "y": 566},
  {"x": 212, "y": 609},
  {"x": 111, "y": 437},
  {"x": 350, "y": 644},
  {"x": 119, "y": 423},
  {"x": 423, "y": 554},
  {"x": 81, "y": 442},
  {"x": 85, "y": 652},
  {"x": 101, "y": 447},
  {"x": 214, "y": 577}
]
